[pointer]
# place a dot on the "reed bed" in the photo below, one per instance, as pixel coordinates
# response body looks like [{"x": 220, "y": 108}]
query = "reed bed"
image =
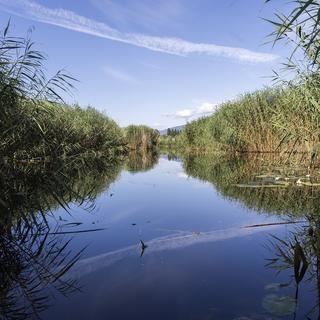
[
  {"x": 140, "y": 137},
  {"x": 43, "y": 129},
  {"x": 34, "y": 120},
  {"x": 281, "y": 119}
]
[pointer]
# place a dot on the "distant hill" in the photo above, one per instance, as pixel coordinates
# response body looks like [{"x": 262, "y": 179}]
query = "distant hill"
[{"x": 177, "y": 128}]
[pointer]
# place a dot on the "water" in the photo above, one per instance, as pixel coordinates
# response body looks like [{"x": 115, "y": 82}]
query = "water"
[{"x": 214, "y": 250}]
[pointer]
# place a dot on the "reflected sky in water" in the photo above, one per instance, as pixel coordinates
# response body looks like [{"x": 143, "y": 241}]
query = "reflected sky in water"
[{"x": 201, "y": 260}]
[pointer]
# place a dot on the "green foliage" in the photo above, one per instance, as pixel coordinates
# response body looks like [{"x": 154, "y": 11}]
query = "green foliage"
[
  {"x": 282, "y": 119},
  {"x": 141, "y": 137},
  {"x": 226, "y": 173},
  {"x": 34, "y": 121},
  {"x": 300, "y": 27}
]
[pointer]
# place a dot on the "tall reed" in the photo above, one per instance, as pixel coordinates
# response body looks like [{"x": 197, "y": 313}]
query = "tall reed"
[
  {"x": 34, "y": 120},
  {"x": 280, "y": 119},
  {"x": 140, "y": 137}
]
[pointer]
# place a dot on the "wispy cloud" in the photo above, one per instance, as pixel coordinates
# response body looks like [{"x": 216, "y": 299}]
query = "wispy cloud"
[
  {"x": 70, "y": 20},
  {"x": 119, "y": 75},
  {"x": 205, "y": 108}
]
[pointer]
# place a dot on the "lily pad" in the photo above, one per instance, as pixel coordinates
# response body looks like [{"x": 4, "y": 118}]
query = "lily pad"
[
  {"x": 263, "y": 176},
  {"x": 275, "y": 286},
  {"x": 277, "y": 185},
  {"x": 279, "y": 305},
  {"x": 310, "y": 184}
]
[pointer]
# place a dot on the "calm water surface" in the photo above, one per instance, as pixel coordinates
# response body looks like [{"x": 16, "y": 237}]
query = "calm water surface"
[{"x": 214, "y": 250}]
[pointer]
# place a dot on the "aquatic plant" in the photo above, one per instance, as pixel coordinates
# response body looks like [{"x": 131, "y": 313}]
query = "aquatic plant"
[
  {"x": 266, "y": 187},
  {"x": 299, "y": 253}
]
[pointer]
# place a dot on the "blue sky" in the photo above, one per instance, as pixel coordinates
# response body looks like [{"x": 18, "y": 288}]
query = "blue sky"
[{"x": 154, "y": 62}]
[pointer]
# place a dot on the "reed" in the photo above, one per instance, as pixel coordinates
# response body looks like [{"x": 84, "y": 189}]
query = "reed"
[
  {"x": 34, "y": 120},
  {"x": 140, "y": 137},
  {"x": 281, "y": 119}
]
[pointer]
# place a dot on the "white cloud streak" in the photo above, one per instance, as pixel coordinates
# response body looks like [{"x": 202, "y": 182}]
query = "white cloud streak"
[
  {"x": 70, "y": 20},
  {"x": 203, "y": 109}
]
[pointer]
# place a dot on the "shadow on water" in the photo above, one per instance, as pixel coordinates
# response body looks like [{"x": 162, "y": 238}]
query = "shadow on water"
[{"x": 35, "y": 257}]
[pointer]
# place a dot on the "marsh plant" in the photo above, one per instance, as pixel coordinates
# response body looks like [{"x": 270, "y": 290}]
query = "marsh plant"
[
  {"x": 260, "y": 184},
  {"x": 299, "y": 255},
  {"x": 140, "y": 137},
  {"x": 283, "y": 118},
  {"x": 35, "y": 122},
  {"x": 300, "y": 27}
]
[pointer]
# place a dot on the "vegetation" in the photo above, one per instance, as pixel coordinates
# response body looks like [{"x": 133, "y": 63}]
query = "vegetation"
[
  {"x": 172, "y": 132},
  {"x": 169, "y": 140},
  {"x": 34, "y": 121},
  {"x": 246, "y": 179},
  {"x": 35, "y": 255},
  {"x": 41, "y": 129},
  {"x": 279, "y": 119},
  {"x": 284, "y": 118},
  {"x": 301, "y": 28},
  {"x": 141, "y": 137}
]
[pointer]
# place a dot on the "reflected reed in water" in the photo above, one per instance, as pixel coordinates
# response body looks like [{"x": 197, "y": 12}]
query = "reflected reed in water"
[{"x": 35, "y": 257}]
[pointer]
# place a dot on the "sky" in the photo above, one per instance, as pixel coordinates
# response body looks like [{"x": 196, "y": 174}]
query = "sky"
[{"x": 155, "y": 62}]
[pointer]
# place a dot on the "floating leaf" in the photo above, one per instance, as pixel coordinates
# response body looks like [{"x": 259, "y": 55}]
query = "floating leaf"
[
  {"x": 263, "y": 176},
  {"x": 276, "y": 185},
  {"x": 275, "y": 286},
  {"x": 310, "y": 184},
  {"x": 279, "y": 305}
]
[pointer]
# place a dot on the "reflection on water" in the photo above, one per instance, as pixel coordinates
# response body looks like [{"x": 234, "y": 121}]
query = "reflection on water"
[
  {"x": 141, "y": 161},
  {"x": 299, "y": 250},
  {"x": 299, "y": 253},
  {"x": 35, "y": 257},
  {"x": 227, "y": 174},
  {"x": 167, "y": 245}
]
